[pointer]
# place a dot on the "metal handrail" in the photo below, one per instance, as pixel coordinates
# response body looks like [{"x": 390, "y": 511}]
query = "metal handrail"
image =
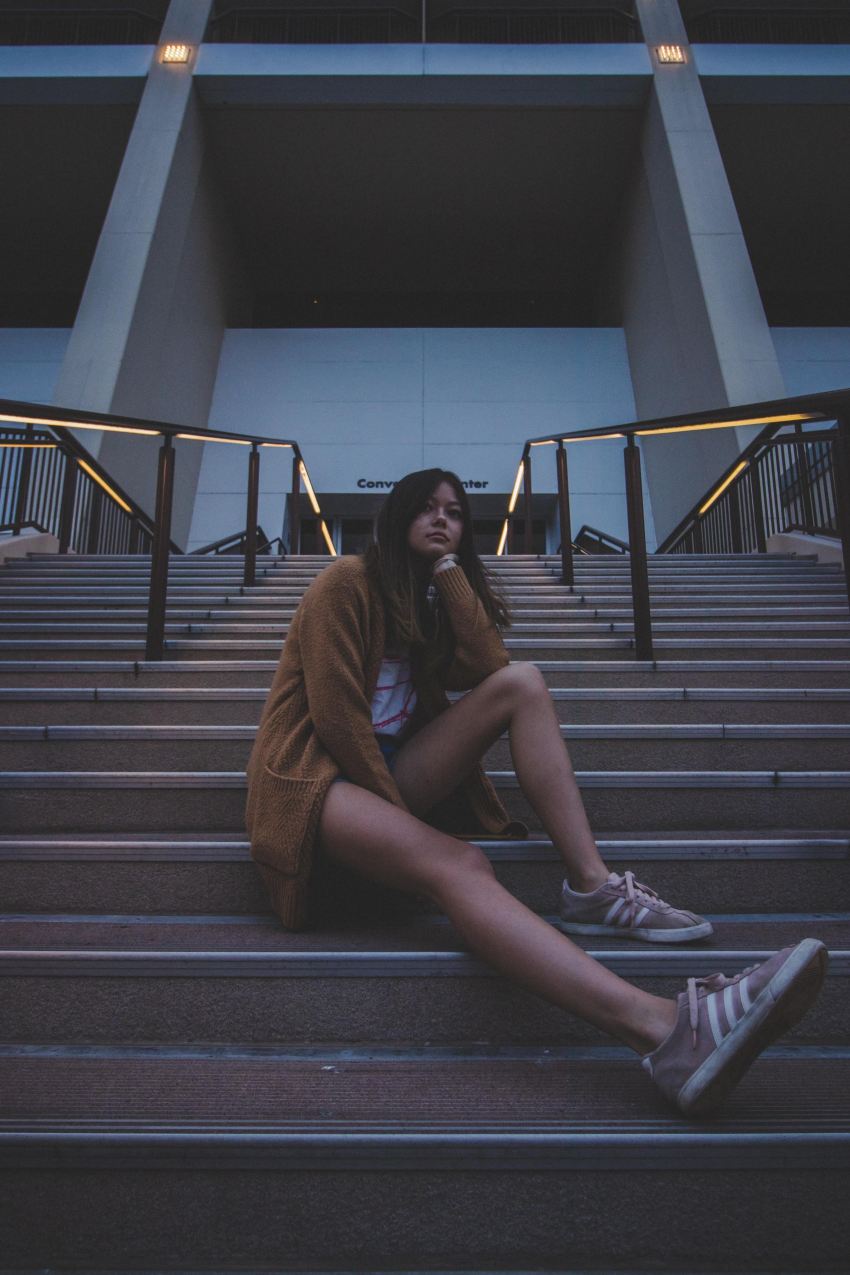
[
  {"x": 773, "y": 415},
  {"x": 55, "y": 422}
]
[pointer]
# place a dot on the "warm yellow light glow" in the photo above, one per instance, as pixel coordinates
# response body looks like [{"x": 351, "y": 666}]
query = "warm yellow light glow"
[
  {"x": 327, "y": 536},
  {"x": 752, "y": 420},
  {"x": 45, "y": 420},
  {"x": 105, "y": 485},
  {"x": 276, "y": 445},
  {"x": 670, "y": 53},
  {"x": 600, "y": 438},
  {"x": 202, "y": 438},
  {"x": 503, "y": 539},
  {"x": 175, "y": 53},
  {"x": 515, "y": 492},
  {"x": 544, "y": 442},
  {"x": 720, "y": 490},
  {"x": 41, "y": 446},
  {"x": 310, "y": 493}
]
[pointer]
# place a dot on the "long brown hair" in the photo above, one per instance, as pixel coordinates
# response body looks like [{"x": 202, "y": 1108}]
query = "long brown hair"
[{"x": 400, "y": 580}]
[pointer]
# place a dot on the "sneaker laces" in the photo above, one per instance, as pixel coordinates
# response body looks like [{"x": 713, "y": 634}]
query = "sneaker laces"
[
  {"x": 634, "y": 891},
  {"x": 714, "y": 983}
]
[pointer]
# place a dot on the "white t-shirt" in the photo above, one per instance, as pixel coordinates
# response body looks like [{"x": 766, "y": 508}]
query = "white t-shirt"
[{"x": 395, "y": 698}]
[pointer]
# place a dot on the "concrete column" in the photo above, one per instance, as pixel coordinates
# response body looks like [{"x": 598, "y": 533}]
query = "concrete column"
[
  {"x": 149, "y": 328},
  {"x": 695, "y": 326}
]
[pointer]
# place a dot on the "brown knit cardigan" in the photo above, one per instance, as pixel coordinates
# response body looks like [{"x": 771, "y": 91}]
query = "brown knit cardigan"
[{"x": 317, "y": 721}]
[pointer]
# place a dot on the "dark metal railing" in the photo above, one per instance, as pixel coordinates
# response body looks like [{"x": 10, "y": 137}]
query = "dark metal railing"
[
  {"x": 780, "y": 482},
  {"x": 784, "y": 481},
  {"x": 590, "y": 540},
  {"x": 65, "y": 23},
  {"x": 421, "y": 21},
  {"x": 75, "y": 499},
  {"x": 802, "y": 24},
  {"x": 49, "y": 482}
]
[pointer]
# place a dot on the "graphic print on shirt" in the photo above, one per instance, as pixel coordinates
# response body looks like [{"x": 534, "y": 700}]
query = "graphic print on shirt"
[{"x": 395, "y": 697}]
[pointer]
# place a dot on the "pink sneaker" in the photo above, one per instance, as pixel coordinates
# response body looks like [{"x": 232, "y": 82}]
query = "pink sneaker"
[
  {"x": 725, "y": 1023},
  {"x": 624, "y": 908}
]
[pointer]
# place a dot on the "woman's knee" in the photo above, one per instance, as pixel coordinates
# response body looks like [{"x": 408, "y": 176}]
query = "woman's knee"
[
  {"x": 517, "y": 682},
  {"x": 458, "y": 869}
]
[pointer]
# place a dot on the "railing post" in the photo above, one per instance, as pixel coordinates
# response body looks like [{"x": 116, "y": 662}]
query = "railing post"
[
  {"x": 842, "y": 491},
  {"x": 527, "y": 543},
  {"x": 66, "y": 509},
  {"x": 637, "y": 553},
  {"x": 758, "y": 505},
  {"x": 155, "y": 643},
  {"x": 250, "y": 573},
  {"x": 24, "y": 474},
  {"x": 294, "y": 507},
  {"x": 567, "y": 566}
]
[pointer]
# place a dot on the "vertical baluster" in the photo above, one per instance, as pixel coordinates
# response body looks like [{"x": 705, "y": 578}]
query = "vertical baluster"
[
  {"x": 250, "y": 572},
  {"x": 567, "y": 565},
  {"x": 637, "y": 553},
  {"x": 155, "y": 643}
]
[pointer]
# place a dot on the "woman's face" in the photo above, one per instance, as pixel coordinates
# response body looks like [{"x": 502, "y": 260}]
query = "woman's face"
[{"x": 439, "y": 527}]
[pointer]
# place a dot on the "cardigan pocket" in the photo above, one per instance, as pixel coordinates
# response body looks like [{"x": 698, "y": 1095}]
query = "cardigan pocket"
[{"x": 283, "y": 816}]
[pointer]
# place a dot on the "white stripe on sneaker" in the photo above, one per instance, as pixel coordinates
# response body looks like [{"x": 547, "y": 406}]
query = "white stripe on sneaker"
[
  {"x": 613, "y": 910},
  {"x": 643, "y": 912},
  {"x": 714, "y": 1018},
  {"x": 745, "y": 995},
  {"x": 729, "y": 1006}
]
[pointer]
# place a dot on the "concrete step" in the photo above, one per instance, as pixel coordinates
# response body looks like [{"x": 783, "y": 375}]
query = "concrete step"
[
  {"x": 592, "y": 746},
  {"x": 273, "y": 631},
  {"x": 581, "y": 673},
  {"x": 726, "y": 872},
  {"x": 192, "y": 979},
  {"x": 234, "y": 705},
  {"x": 496, "y": 1159},
  {"x": 135, "y": 801},
  {"x": 591, "y": 648}
]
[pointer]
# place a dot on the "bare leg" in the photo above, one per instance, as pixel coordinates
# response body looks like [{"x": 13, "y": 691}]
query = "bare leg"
[
  {"x": 389, "y": 845},
  {"x": 515, "y": 699}
]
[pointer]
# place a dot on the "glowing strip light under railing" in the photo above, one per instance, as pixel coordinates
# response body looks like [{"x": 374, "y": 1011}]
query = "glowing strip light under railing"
[
  {"x": 327, "y": 536},
  {"x": 208, "y": 438},
  {"x": 730, "y": 478},
  {"x": 503, "y": 539},
  {"x": 515, "y": 492},
  {"x": 753, "y": 420},
  {"x": 46, "y": 420},
  {"x": 311, "y": 495},
  {"x": 43, "y": 446},
  {"x": 93, "y": 474},
  {"x": 302, "y": 469}
]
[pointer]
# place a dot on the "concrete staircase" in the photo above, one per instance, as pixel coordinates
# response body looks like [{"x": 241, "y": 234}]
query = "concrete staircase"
[{"x": 187, "y": 1086}]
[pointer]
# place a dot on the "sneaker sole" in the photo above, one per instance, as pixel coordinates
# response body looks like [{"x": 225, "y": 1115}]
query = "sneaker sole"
[
  {"x": 779, "y": 1006},
  {"x": 687, "y": 935}
]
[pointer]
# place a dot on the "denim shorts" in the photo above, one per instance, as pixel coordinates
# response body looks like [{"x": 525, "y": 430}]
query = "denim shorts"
[{"x": 390, "y": 749}]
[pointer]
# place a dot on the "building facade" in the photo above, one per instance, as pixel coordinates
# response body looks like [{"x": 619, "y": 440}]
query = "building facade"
[{"x": 419, "y": 234}]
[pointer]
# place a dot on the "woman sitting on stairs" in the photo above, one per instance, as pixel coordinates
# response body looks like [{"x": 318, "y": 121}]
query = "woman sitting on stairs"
[{"x": 358, "y": 748}]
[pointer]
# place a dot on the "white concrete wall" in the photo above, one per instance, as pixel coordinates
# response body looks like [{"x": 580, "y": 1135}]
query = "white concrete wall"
[
  {"x": 30, "y": 359},
  {"x": 813, "y": 358},
  {"x": 373, "y": 404}
]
